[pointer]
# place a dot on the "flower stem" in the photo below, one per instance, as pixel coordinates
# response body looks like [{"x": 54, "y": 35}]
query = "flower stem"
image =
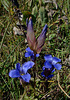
[
  {"x": 34, "y": 70},
  {"x": 34, "y": 79}
]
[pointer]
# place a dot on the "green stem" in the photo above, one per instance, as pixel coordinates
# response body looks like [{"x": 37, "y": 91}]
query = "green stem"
[
  {"x": 34, "y": 70},
  {"x": 22, "y": 97}
]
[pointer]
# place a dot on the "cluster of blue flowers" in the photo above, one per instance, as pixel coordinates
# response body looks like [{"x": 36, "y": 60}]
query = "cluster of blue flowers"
[
  {"x": 35, "y": 46},
  {"x": 49, "y": 67}
]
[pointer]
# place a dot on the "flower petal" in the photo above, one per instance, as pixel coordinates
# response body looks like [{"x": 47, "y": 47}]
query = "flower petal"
[
  {"x": 47, "y": 65},
  {"x": 53, "y": 70},
  {"x": 27, "y": 54},
  {"x": 50, "y": 76},
  {"x": 30, "y": 25},
  {"x": 41, "y": 38},
  {"x": 30, "y": 34},
  {"x": 26, "y": 66},
  {"x": 26, "y": 77},
  {"x": 55, "y": 60},
  {"x": 14, "y": 73},
  {"x": 43, "y": 68},
  {"x": 37, "y": 55},
  {"x": 58, "y": 66},
  {"x": 43, "y": 74},
  {"x": 39, "y": 50},
  {"x": 28, "y": 49},
  {"x": 48, "y": 57},
  {"x": 27, "y": 22},
  {"x": 44, "y": 29},
  {"x": 18, "y": 66}
]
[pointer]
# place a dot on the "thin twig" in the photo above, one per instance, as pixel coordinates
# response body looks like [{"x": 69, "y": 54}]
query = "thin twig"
[
  {"x": 22, "y": 96},
  {"x": 47, "y": 94},
  {"x": 61, "y": 87}
]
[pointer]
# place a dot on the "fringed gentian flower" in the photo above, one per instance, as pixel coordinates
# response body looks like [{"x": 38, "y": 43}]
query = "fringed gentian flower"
[
  {"x": 49, "y": 65},
  {"x": 35, "y": 45},
  {"x": 21, "y": 72},
  {"x": 47, "y": 73},
  {"x": 30, "y": 53}
]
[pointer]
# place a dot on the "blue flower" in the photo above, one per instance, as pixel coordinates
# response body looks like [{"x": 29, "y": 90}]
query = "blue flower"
[
  {"x": 49, "y": 65},
  {"x": 52, "y": 61},
  {"x": 47, "y": 73},
  {"x": 21, "y": 72},
  {"x": 30, "y": 53}
]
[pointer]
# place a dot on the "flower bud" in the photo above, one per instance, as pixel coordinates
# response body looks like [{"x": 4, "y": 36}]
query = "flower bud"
[
  {"x": 41, "y": 39},
  {"x": 30, "y": 35}
]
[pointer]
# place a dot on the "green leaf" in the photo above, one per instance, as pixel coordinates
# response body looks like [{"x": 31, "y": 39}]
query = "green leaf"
[
  {"x": 5, "y": 3},
  {"x": 52, "y": 36}
]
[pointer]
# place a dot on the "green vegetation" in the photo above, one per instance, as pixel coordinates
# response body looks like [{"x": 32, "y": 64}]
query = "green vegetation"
[{"x": 57, "y": 43}]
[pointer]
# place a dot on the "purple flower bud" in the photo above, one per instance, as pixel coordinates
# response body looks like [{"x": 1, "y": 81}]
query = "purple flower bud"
[
  {"x": 30, "y": 35},
  {"x": 41, "y": 39},
  {"x": 34, "y": 45}
]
